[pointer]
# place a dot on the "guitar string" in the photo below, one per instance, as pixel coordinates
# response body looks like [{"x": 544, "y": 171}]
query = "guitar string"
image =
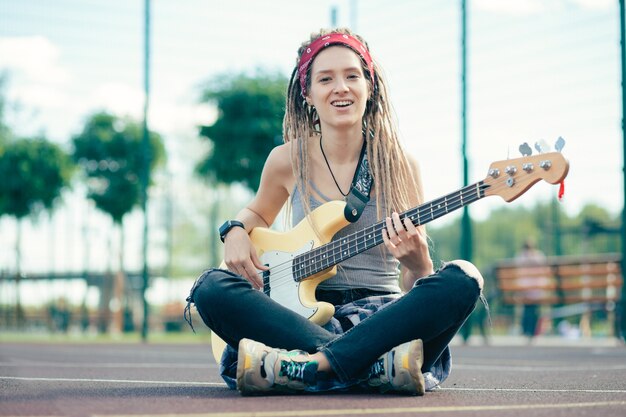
[
  {"x": 348, "y": 243},
  {"x": 352, "y": 239}
]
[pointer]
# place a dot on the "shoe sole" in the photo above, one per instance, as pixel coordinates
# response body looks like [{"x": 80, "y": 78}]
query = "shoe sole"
[
  {"x": 412, "y": 362},
  {"x": 416, "y": 352},
  {"x": 245, "y": 361}
]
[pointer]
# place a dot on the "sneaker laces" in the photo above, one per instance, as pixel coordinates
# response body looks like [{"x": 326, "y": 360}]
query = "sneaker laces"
[
  {"x": 377, "y": 369},
  {"x": 299, "y": 371}
]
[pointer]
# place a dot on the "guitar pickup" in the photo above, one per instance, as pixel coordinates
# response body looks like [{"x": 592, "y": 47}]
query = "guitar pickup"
[{"x": 266, "y": 281}]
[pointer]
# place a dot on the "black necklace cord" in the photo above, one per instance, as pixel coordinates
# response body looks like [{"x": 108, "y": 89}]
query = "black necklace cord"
[{"x": 331, "y": 171}]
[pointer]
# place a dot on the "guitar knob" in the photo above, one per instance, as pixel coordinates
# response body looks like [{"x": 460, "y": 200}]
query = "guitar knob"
[
  {"x": 528, "y": 167},
  {"x": 510, "y": 181}
]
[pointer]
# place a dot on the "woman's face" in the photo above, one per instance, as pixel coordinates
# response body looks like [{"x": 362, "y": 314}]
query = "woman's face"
[{"x": 339, "y": 90}]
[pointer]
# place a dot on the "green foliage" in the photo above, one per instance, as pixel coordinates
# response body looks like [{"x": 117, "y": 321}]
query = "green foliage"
[
  {"x": 249, "y": 125},
  {"x": 111, "y": 152},
  {"x": 501, "y": 235},
  {"x": 4, "y": 129},
  {"x": 33, "y": 172}
]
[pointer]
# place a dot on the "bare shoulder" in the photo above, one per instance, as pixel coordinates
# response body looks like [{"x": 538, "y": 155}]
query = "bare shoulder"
[
  {"x": 280, "y": 158},
  {"x": 278, "y": 165},
  {"x": 413, "y": 165},
  {"x": 417, "y": 176}
]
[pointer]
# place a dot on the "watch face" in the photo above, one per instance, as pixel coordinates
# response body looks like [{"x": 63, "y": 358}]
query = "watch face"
[
  {"x": 223, "y": 228},
  {"x": 229, "y": 224}
]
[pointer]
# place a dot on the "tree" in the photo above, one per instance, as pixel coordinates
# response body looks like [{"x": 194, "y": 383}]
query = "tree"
[
  {"x": 4, "y": 129},
  {"x": 110, "y": 151},
  {"x": 249, "y": 125},
  {"x": 33, "y": 172}
]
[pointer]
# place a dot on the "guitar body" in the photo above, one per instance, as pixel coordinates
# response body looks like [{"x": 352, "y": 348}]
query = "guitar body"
[{"x": 277, "y": 250}]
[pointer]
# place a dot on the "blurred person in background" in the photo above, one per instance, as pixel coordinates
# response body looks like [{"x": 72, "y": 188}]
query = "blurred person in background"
[{"x": 529, "y": 259}]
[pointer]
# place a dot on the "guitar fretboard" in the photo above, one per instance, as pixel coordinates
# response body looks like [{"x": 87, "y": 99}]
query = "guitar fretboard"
[{"x": 332, "y": 253}]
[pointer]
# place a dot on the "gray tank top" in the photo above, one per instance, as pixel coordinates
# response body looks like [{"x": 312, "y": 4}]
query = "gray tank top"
[{"x": 375, "y": 268}]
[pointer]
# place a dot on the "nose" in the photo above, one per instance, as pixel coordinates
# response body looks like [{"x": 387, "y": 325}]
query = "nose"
[{"x": 340, "y": 86}]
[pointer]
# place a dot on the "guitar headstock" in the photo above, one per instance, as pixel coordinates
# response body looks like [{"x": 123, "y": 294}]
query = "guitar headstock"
[{"x": 513, "y": 177}]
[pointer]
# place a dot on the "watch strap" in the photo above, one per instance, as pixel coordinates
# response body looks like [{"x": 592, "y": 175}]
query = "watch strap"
[{"x": 227, "y": 226}]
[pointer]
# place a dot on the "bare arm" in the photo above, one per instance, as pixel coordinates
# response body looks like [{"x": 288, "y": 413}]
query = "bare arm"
[{"x": 239, "y": 253}]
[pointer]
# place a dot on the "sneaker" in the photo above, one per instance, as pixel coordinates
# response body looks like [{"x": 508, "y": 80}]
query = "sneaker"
[
  {"x": 262, "y": 369},
  {"x": 400, "y": 369}
]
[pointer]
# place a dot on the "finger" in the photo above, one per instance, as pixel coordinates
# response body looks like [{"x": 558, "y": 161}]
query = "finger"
[
  {"x": 387, "y": 241},
  {"x": 252, "y": 275},
  {"x": 257, "y": 262},
  {"x": 256, "y": 278},
  {"x": 258, "y": 268},
  {"x": 391, "y": 231},
  {"x": 411, "y": 230},
  {"x": 240, "y": 270},
  {"x": 232, "y": 267},
  {"x": 397, "y": 224},
  {"x": 393, "y": 239}
]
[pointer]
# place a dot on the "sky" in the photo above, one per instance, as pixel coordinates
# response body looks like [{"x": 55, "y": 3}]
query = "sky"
[{"x": 537, "y": 70}]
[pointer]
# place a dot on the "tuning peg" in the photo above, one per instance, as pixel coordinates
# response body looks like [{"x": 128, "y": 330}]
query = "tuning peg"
[
  {"x": 525, "y": 149},
  {"x": 542, "y": 146},
  {"x": 560, "y": 143}
]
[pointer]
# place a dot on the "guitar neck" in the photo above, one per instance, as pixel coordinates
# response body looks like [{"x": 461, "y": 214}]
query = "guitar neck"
[{"x": 332, "y": 253}]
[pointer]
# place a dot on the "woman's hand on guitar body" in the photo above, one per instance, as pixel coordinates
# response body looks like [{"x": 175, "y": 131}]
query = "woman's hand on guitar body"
[{"x": 241, "y": 258}]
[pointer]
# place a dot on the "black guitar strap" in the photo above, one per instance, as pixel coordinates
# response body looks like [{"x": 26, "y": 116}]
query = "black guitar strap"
[{"x": 360, "y": 190}]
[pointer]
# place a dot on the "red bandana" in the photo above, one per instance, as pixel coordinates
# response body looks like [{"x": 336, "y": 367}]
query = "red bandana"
[{"x": 320, "y": 43}]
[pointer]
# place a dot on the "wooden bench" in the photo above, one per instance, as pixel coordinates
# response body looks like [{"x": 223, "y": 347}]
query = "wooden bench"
[{"x": 583, "y": 284}]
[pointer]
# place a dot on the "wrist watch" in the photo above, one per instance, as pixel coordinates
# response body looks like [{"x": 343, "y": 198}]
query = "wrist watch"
[{"x": 229, "y": 224}]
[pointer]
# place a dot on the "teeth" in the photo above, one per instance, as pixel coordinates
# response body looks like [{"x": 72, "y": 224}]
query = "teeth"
[{"x": 342, "y": 103}]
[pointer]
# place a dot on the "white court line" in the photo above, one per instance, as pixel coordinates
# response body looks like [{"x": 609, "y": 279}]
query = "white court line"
[
  {"x": 221, "y": 384},
  {"x": 106, "y": 365},
  {"x": 124, "y": 381},
  {"x": 529, "y": 368},
  {"x": 592, "y": 391}
]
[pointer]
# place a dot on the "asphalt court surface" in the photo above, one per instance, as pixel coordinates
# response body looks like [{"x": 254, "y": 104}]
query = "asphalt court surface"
[{"x": 60, "y": 379}]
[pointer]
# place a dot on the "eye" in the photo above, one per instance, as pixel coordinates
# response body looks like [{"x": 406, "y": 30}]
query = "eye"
[{"x": 324, "y": 79}]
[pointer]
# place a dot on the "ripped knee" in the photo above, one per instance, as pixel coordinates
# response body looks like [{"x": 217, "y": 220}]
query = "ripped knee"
[{"x": 470, "y": 270}]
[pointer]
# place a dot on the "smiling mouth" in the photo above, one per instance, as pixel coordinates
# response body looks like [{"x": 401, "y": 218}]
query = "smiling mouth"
[{"x": 342, "y": 103}]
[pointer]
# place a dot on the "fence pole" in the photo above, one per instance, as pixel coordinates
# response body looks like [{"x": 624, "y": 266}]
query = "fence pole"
[{"x": 622, "y": 25}]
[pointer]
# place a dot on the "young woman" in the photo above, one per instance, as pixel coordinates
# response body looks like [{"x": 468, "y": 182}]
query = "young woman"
[{"x": 340, "y": 138}]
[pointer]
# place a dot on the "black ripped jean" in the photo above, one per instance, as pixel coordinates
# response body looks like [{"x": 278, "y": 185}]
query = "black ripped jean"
[{"x": 433, "y": 310}]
